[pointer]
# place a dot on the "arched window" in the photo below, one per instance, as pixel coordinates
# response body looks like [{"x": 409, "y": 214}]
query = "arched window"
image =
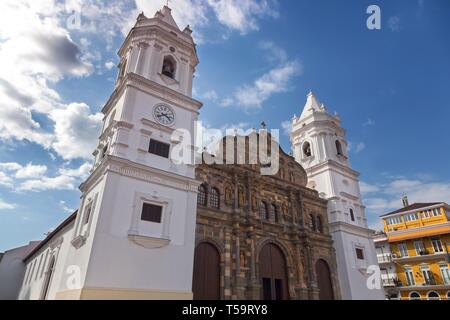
[
  {"x": 169, "y": 67},
  {"x": 352, "y": 215},
  {"x": 339, "y": 148},
  {"x": 263, "y": 211},
  {"x": 201, "y": 198},
  {"x": 414, "y": 296},
  {"x": 312, "y": 222},
  {"x": 214, "y": 198},
  {"x": 433, "y": 295},
  {"x": 319, "y": 224},
  {"x": 306, "y": 150}
]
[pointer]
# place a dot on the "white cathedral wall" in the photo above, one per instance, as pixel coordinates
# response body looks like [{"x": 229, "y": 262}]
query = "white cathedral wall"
[
  {"x": 352, "y": 272},
  {"x": 118, "y": 262},
  {"x": 32, "y": 286},
  {"x": 140, "y": 106}
]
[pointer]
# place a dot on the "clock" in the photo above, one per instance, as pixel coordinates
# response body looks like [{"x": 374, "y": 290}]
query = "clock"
[{"x": 164, "y": 114}]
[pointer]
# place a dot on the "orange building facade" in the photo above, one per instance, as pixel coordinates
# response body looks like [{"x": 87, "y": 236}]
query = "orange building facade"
[{"x": 419, "y": 241}]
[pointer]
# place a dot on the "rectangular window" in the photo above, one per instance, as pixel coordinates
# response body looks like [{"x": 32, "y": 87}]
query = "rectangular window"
[
  {"x": 409, "y": 277},
  {"x": 437, "y": 245},
  {"x": 151, "y": 213},
  {"x": 445, "y": 273},
  {"x": 436, "y": 212},
  {"x": 359, "y": 254},
  {"x": 420, "y": 249},
  {"x": 427, "y": 276},
  {"x": 403, "y": 249},
  {"x": 159, "y": 148}
]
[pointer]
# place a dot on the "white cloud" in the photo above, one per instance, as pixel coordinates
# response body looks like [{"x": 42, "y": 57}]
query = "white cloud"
[
  {"x": 22, "y": 172},
  {"x": 82, "y": 172},
  {"x": 275, "y": 53},
  {"x": 368, "y": 123},
  {"x": 381, "y": 198},
  {"x": 47, "y": 183},
  {"x": 109, "y": 65},
  {"x": 227, "y": 102},
  {"x": 210, "y": 95},
  {"x": 287, "y": 127},
  {"x": 65, "y": 208},
  {"x": 275, "y": 81},
  {"x": 360, "y": 147},
  {"x": 368, "y": 188},
  {"x": 6, "y": 206},
  {"x": 32, "y": 177},
  {"x": 31, "y": 171},
  {"x": 76, "y": 131},
  {"x": 394, "y": 23},
  {"x": 243, "y": 15}
]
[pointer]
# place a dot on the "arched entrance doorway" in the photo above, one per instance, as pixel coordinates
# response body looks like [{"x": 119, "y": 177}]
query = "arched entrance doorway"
[
  {"x": 324, "y": 280},
  {"x": 273, "y": 275},
  {"x": 206, "y": 279}
]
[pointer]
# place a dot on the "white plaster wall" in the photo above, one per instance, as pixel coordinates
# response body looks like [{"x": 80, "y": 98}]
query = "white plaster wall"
[
  {"x": 33, "y": 288},
  {"x": 117, "y": 262},
  {"x": 352, "y": 276}
]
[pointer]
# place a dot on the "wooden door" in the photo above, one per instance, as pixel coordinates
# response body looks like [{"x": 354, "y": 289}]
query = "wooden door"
[
  {"x": 324, "y": 281},
  {"x": 273, "y": 273},
  {"x": 206, "y": 279}
]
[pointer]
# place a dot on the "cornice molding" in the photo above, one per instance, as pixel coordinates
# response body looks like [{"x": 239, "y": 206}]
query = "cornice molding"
[{"x": 153, "y": 88}]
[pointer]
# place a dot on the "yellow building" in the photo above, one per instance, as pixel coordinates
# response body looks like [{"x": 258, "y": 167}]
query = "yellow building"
[{"x": 419, "y": 240}]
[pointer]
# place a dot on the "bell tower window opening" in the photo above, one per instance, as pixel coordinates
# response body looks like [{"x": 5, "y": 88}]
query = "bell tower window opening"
[
  {"x": 339, "y": 148},
  {"x": 169, "y": 67},
  {"x": 307, "y": 150},
  {"x": 352, "y": 215}
]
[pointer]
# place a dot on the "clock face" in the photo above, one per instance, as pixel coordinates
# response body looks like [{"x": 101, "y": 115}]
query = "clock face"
[{"x": 164, "y": 114}]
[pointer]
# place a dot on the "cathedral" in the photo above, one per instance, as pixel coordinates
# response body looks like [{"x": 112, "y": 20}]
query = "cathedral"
[{"x": 148, "y": 228}]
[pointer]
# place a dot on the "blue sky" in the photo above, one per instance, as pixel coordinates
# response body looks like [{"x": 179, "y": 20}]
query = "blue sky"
[{"x": 259, "y": 59}]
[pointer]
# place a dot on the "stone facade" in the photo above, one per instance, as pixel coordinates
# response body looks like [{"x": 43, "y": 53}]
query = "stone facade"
[{"x": 239, "y": 230}]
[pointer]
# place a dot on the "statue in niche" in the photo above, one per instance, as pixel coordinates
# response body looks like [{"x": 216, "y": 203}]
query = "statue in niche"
[
  {"x": 284, "y": 209},
  {"x": 241, "y": 198},
  {"x": 254, "y": 203},
  {"x": 242, "y": 259},
  {"x": 228, "y": 195}
]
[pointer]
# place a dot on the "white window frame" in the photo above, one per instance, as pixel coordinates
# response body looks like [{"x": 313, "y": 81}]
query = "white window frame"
[
  {"x": 403, "y": 245},
  {"x": 428, "y": 295},
  {"x": 427, "y": 274},
  {"x": 137, "y": 225},
  {"x": 410, "y": 294},
  {"x": 410, "y": 281},
  {"x": 437, "y": 241},
  {"x": 445, "y": 278},
  {"x": 422, "y": 247}
]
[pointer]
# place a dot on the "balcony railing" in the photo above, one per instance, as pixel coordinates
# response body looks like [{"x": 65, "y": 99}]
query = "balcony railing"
[
  {"x": 389, "y": 282},
  {"x": 386, "y": 258}
]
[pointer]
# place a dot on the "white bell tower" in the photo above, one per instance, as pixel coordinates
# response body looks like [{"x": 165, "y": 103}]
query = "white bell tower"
[
  {"x": 319, "y": 145},
  {"x": 134, "y": 235}
]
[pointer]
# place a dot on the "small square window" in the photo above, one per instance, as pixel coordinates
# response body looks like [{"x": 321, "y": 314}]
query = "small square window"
[
  {"x": 359, "y": 254},
  {"x": 151, "y": 213},
  {"x": 159, "y": 148}
]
